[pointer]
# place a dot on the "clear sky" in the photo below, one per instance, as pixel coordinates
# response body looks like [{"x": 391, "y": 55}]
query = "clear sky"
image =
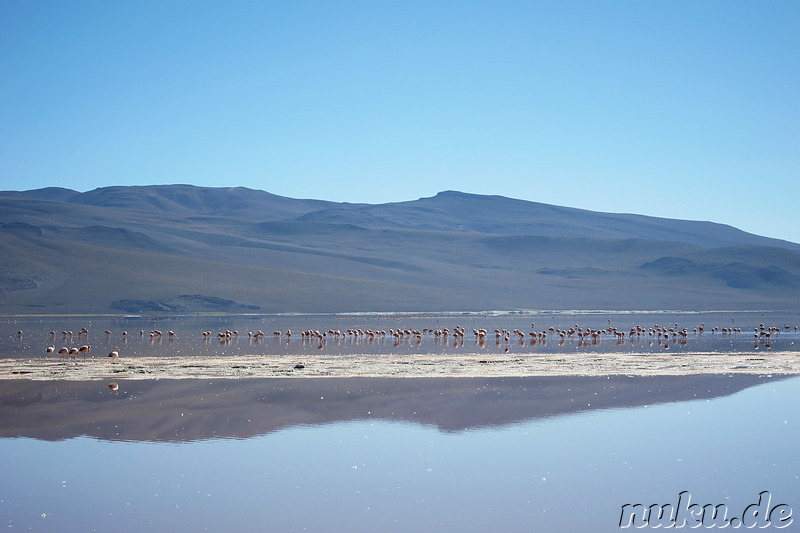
[{"x": 681, "y": 109}]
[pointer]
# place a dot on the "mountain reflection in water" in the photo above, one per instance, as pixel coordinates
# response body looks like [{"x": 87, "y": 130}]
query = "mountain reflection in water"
[{"x": 192, "y": 410}]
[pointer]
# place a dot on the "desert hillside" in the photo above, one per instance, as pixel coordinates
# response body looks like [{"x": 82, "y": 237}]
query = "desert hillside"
[{"x": 182, "y": 249}]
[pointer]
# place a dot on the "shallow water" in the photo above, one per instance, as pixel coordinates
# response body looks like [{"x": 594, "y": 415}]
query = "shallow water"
[
  {"x": 188, "y": 339},
  {"x": 366, "y": 455}
]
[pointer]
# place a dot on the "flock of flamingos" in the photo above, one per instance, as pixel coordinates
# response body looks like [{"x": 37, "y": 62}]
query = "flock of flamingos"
[{"x": 661, "y": 336}]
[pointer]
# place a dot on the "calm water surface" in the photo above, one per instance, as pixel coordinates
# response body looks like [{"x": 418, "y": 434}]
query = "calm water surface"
[{"x": 369, "y": 455}]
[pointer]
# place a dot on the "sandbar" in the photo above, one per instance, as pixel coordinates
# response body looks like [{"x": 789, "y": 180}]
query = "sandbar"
[{"x": 400, "y": 366}]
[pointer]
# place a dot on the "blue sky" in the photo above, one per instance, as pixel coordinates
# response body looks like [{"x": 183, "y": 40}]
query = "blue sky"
[{"x": 680, "y": 109}]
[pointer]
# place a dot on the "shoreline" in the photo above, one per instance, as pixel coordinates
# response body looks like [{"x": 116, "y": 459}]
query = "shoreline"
[{"x": 366, "y": 365}]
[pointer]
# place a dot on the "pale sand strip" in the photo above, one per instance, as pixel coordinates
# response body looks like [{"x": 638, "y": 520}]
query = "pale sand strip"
[{"x": 364, "y": 365}]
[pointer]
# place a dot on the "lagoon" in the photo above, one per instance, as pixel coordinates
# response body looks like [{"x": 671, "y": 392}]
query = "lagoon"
[{"x": 370, "y": 454}]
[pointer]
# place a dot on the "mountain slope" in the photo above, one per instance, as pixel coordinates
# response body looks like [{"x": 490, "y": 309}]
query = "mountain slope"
[
  {"x": 140, "y": 249},
  {"x": 456, "y": 211}
]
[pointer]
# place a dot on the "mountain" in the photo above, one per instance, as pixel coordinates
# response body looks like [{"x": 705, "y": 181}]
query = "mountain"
[{"x": 181, "y": 248}]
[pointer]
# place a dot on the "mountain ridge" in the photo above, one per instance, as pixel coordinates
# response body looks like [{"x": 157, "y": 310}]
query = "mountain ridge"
[{"x": 208, "y": 201}]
